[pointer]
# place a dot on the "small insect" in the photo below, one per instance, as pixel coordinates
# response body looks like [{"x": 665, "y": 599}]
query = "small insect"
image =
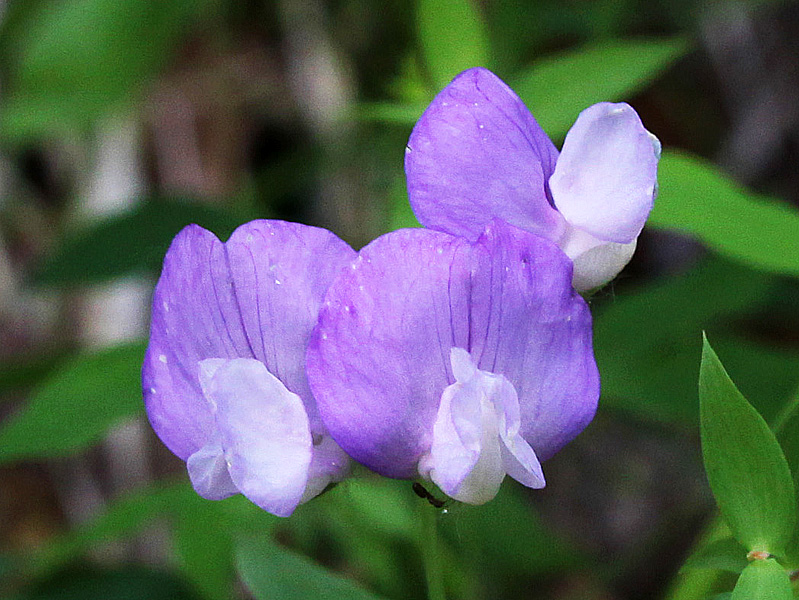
[{"x": 422, "y": 492}]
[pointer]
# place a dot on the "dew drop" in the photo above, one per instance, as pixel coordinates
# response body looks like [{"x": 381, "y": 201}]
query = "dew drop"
[
  {"x": 162, "y": 358},
  {"x": 278, "y": 282},
  {"x": 250, "y": 239},
  {"x": 152, "y": 390},
  {"x": 166, "y": 306}
]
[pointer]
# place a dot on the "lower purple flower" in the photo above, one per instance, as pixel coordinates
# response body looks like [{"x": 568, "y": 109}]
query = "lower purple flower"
[
  {"x": 458, "y": 361},
  {"x": 224, "y": 375}
]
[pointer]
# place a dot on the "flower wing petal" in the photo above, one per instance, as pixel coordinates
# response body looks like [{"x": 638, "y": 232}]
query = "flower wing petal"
[
  {"x": 263, "y": 431},
  {"x": 477, "y": 153},
  {"x": 605, "y": 178}
]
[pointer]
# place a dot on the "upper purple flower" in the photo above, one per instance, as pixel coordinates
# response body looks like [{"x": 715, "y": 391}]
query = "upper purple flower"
[
  {"x": 455, "y": 360},
  {"x": 224, "y": 375},
  {"x": 477, "y": 154}
]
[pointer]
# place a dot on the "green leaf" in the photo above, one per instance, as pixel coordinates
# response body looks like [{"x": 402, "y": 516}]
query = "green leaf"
[
  {"x": 74, "y": 407},
  {"x": 82, "y": 58},
  {"x": 697, "y": 199},
  {"x": 646, "y": 341},
  {"x": 129, "y": 242},
  {"x": 506, "y": 538},
  {"x": 205, "y": 549},
  {"x": 130, "y": 582},
  {"x": 274, "y": 573},
  {"x": 453, "y": 37},
  {"x": 558, "y": 87},
  {"x": 763, "y": 580},
  {"x": 745, "y": 466},
  {"x": 122, "y": 517},
  {"x": 722, "y": 555}
]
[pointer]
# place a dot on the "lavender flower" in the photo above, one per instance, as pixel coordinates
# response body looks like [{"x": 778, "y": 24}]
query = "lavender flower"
[
  {"x": 458, "y": 361},
  {"x": 477, "y": 153},
  {"x": 224, "y": 375}
]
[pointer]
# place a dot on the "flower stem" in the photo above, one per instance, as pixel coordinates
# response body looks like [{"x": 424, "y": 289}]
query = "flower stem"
[{"x": 428, "y": 547}]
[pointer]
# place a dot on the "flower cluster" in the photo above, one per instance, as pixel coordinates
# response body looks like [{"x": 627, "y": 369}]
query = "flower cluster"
[{"x": 458, "y": 353}]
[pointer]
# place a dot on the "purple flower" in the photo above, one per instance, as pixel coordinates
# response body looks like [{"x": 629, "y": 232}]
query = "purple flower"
[
  {"x": 458, "y": 361},
  {"x": 477, "y": 153},
  {"x": 224, "y": 375}
]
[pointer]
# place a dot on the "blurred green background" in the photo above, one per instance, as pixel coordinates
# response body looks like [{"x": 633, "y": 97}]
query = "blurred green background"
[{"x": 121, "y": 122}]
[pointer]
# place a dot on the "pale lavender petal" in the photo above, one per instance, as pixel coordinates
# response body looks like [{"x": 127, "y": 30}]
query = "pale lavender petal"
[
  {"x": 604, "y": 180},
  {"x": 195, "y": 316},
  {"x": 595, "y": 261},
  {"x": 453, "y": 456},
  {"x": 263, "y": 431},
  {"x": 208, "y": 472},
  {"x": 477, "y": 153}
]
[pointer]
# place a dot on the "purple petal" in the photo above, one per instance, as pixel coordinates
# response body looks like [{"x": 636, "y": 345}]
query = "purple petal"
[
  {"x": 549, "y": 361},
  {"x": 281, "y": 272},
  {"x": 477, "y": 153},
  {"x": 263, "y": 431},
  {"x": 604, "y": 180},
  {"x": 257, "y": 296},
  {"x": 379, "y": 360},
  {"x": 208, "y": 471},
  {"x": 195, "y": 316}
]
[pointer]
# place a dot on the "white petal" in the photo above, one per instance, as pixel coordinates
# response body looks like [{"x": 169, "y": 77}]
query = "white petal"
[
  {"x": 264, "y": 431},
  {"x": 604, "y": 179},
  {"x": 596, "y": 262},
  {"x": 208, "y": 472}
]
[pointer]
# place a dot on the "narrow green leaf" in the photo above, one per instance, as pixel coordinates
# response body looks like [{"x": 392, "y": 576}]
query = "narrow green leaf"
[
  {"x": 696, "y": 199},
  {"x": 558, "y": 87},
  {"x": 747, "y": 470},
  {"x": 82, "y": 58},
  {"x": 723, "y": 555},
  {"x": 75, "y": 406},
  {"x": 763, "y": 580},
  {"x": 453, "y": 37},
  {"x": 130, "y": 242},
  {"x": 274, "y": 573}
]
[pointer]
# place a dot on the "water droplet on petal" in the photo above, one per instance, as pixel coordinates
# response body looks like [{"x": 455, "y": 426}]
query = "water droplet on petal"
[{"x": 162, "y": 358}]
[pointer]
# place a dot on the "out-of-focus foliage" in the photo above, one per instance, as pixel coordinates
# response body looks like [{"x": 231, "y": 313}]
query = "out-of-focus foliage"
[
  {"x": 66, "y": 65},
  {"x": 129, "y": 243},
  {"x": 82, "y": 58},
  {"x": 695, "y": 198},
  {"x": 76, "y": 405}
]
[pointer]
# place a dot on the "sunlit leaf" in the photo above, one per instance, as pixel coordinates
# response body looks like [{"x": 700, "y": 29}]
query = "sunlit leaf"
[
  {"x": 453, "y": 37},
  {"x": 558, "y": 87},
  {"x": 271, "y": 572},
  {"x": 697, "y": 199},
  {"x": 745, "y": 465},
  {"x": 763, "y": 580},
  {"x": 76, "y": 405}
]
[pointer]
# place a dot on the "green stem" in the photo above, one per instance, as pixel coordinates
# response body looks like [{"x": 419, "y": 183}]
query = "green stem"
[{"x": 428, "y": 547}]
